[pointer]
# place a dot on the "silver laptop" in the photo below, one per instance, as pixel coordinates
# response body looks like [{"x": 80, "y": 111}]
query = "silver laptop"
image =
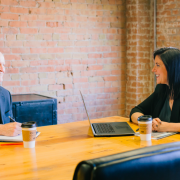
[{"x": 109, "y": 128}]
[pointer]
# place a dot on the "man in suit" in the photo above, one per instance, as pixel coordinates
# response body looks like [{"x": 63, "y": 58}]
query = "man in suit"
[{"x": 7, "y": 128}]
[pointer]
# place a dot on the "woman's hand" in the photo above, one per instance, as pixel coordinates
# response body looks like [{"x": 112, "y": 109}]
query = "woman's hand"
[
  {"x": 159, "y": 126},
  {"x": 155, "y": 124}
]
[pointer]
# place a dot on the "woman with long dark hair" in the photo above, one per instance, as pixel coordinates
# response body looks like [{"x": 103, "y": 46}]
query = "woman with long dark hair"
[{"x": 164, "y": 104}]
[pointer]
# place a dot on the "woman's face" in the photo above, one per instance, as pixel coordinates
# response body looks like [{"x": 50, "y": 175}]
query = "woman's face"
[{"x": 160, "y": 71}]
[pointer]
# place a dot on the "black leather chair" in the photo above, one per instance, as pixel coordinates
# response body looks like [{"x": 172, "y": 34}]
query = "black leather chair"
[{"x": 161, "y": 162}]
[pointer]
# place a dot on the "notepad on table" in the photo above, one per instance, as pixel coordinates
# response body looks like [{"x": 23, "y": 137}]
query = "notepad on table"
[
  {"x": 159, "y": 135},
  {"x": 14, "y": 138}
]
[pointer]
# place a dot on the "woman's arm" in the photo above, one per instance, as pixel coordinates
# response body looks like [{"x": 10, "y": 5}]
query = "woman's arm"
[
  {"x": 144, "y": 108},
  {"x": 135, "y": 116},
  {"x": 148, "y": 105},
  {"x": 166, "y": 126}
]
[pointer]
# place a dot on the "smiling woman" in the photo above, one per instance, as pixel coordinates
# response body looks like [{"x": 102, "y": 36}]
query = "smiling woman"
[{"x": 164, "y": 104}]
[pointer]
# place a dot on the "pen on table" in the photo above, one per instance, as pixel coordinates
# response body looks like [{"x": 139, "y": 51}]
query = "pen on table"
[
  {"x": 137, "y": 129},
  {"x": 13, "y": 120}
]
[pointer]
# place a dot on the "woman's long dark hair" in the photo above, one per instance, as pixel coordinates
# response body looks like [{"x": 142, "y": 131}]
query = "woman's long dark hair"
[{"x": 171, "y": 59}]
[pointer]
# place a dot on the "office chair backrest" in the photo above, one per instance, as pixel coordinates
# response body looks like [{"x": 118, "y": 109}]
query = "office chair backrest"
[{"x": 161, "y": 162}]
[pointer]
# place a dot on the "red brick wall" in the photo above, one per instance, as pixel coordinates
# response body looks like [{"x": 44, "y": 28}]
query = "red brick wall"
[
  {"x": 168, "y": 25},
  {"x": 104, "y": 48},
  {"x": 57, "y": 48},
  {"x": 138, "y": 52}
]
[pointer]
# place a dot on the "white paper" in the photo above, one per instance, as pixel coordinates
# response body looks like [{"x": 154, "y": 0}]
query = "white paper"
[
  {"x": 159, "y": 135},
  {"x": 14, "y": 138}
]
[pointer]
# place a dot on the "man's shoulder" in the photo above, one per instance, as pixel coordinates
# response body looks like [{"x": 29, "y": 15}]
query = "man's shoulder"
[{"x": 4, "y": 91}]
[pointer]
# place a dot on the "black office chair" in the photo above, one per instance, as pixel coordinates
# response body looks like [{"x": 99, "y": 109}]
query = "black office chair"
[{"x": 161, "y": 162}]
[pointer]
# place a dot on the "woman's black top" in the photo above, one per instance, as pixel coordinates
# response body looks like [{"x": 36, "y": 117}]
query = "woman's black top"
[
  {"x": 165, "y": 113},
  {"x": 155, "y": 102}
]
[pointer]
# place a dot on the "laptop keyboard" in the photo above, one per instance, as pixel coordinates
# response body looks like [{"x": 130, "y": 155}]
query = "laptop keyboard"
[{"x": 103, "y": 128}]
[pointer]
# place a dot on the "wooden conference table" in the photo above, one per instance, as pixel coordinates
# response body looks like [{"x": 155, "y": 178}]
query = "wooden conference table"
[{"x": 59, "y": 148}]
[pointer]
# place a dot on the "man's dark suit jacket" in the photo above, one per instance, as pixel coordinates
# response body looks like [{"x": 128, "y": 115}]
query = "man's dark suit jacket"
[
  {"x": 154, "y": 103},
  {"x": 5, "y": 106}
]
